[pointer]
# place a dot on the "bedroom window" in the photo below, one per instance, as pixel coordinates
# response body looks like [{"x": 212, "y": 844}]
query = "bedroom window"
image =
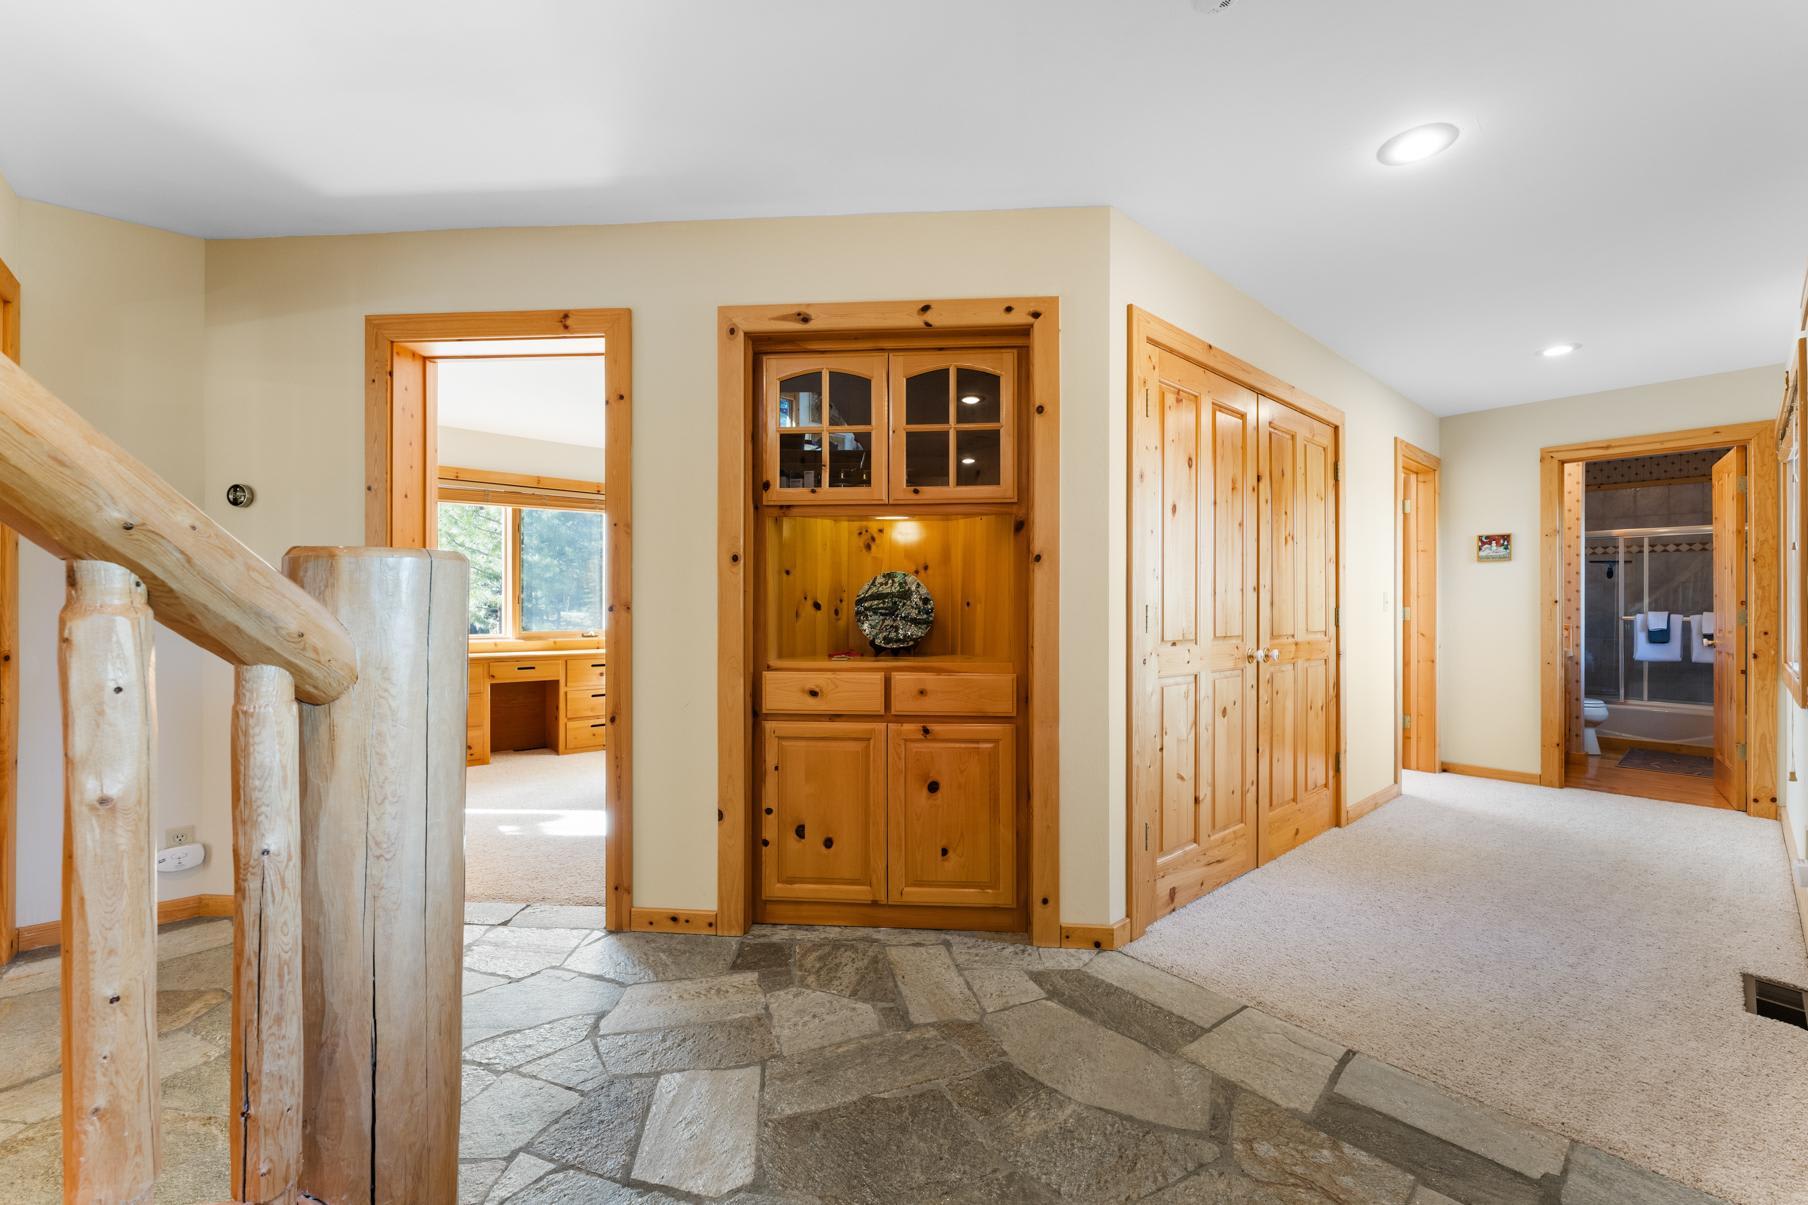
[{"x": 537, "y": 557}]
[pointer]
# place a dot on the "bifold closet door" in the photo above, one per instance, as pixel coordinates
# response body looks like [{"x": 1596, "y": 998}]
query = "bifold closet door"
[
  {"x": 1194, "y": 595},
  {"x": 1296, "y": 629}
]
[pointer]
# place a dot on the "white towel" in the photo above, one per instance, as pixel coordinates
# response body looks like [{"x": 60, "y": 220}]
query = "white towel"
[
  {"x": 1644, "y": 650},
  {"x": 1699, "y": 647},
  {"x": 1657, "y": 621}
]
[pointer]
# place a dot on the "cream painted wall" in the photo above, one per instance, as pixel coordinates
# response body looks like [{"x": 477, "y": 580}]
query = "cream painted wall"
[
  {"x": 516, "y": 454},
  {"x": 1488, "y": 671},
  {"x": 112, "y": 322},
  {"x": 284, "y": 411},
  {"x": 1148, "y": 272}
]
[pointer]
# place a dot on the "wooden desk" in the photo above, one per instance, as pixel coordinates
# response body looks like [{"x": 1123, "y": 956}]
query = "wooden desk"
[{"x": 553, "y": 699}]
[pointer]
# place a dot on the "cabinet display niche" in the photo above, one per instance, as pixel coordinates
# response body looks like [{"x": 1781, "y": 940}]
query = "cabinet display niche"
[{"x": 890, "y": 790}]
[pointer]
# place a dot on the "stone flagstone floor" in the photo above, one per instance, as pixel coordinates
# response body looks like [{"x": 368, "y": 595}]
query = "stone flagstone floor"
[{"x": 849, "y": 1065}]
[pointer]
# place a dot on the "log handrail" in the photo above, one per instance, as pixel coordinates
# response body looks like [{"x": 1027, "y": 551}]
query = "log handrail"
[{"x": 80, "y": 496}]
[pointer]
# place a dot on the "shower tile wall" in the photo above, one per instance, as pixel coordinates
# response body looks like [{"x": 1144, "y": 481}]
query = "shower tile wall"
[{"x": 1678, "y": 505}]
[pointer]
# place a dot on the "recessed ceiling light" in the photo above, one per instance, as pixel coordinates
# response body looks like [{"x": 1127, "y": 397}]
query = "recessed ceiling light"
[
  {"x": 1420, "y": 142},
  {"x": 968, "y": 460},
  {"x": 970, "y": 399},
  {"x": 1559, "y": 349}
]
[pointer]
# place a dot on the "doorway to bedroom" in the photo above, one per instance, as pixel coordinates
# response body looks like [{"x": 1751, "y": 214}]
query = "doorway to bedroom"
[{"x": 505, "y": 441}]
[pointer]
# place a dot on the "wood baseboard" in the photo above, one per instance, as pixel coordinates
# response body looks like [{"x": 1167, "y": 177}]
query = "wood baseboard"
[
  {"x": 50, "y": 933},
  {"x": 1095, "y": 937},
  {"x": 1529, "y": 777},
  {"x": 1370, "y": 802},
  {"x": 1801, "y": 893},
  {"x": 672, "y": 920}
]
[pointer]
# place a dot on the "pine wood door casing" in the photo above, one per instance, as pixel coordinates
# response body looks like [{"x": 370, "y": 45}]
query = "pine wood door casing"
[
  {"x": 9, "y": 664},
  {"x": 1729, "y": 629},
  {"x": 1297, "y": 568},
  {"x": 1193, "y": 516}
]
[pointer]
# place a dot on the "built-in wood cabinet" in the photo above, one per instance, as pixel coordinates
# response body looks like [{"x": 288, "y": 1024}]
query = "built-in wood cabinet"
[
  {"x": 855, "y": 427},
  {"x": 529, "y": 700},
  {"x": 822, "y": 822},
  {"x": 891, "y": 788}
]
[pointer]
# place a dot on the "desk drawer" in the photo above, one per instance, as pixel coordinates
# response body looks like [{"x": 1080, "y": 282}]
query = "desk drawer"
[
  {"x": 548, "y": 669},
  {"x": 586, "y": 734},
  {"x": 954, "y": 694},
  {"x": 584, "y": 671},
  {"x": 849, "y": 692},
  {"x": 581, "y": 704}
]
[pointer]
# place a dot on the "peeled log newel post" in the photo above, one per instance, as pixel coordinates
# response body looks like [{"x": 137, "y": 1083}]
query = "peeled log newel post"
[
  {"x": 110, "y": 1091},
  {"x": 382, "y": 879},
  {"x": 265, "y": 1121}
]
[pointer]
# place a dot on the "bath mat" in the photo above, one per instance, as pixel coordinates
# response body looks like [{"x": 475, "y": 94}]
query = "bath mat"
[{"x": 1695, "y": 765}]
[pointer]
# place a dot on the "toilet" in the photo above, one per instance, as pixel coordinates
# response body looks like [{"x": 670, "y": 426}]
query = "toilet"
[{"x": 1594, "y": 714}]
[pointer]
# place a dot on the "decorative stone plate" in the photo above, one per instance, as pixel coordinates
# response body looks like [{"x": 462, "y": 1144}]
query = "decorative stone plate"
[{"x": 894, "y": 611}]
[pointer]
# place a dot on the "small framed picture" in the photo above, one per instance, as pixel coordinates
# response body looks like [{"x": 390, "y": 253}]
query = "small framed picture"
[{"x": 1498, "y": 547}]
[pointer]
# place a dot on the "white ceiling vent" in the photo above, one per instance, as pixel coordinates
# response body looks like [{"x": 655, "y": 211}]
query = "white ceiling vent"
[{"x": 1212, "y": 6}]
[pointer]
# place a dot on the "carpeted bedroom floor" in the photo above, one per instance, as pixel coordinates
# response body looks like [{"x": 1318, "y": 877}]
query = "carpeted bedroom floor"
[
  {"x": 534, "y": 828},
  {"x": 1569, "y": 957}
]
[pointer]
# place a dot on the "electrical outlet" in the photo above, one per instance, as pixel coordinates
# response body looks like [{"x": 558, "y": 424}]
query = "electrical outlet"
[{"x": 173, "y": 837}]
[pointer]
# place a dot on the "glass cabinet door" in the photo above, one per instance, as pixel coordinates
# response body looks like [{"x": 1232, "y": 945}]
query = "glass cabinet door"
[
  {"x": 825, "y": 428},
  {"x": 953, "y": 425}
]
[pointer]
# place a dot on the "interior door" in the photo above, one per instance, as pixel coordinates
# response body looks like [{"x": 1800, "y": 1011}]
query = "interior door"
[
  {"x": 1729, "y": 629},
  {"x": 1194, "y": 582},
  {"x": 1296, "y": 628}
]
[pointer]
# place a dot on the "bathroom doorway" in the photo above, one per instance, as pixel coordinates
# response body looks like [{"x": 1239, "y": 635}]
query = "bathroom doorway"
[{"x": 1659, "y": 563}]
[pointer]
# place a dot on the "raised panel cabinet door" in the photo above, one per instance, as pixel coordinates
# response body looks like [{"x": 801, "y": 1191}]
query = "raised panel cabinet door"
[
  {"x": 954, "y": 426},
  {"x": 1729, "y": 633},
  {"x": 822, "y": 812},
  {"x": 953, "y": 814},
  {"x": 824, "y": 428},
  {"x": 1296, "y": 556},
  {"x": 1194, "y": 626}
]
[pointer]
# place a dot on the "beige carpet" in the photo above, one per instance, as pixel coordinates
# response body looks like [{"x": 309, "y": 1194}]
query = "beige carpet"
[
  {"x": 534, "y": 828},
  {"x": 1569, "y": 957}
]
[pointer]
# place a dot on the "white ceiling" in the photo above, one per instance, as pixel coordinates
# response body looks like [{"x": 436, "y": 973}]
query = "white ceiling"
[
  {"x": 1631, "y": 173},
  {"x": 554, "y": 398}
]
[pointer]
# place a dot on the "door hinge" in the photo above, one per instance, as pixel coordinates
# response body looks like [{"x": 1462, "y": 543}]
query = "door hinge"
[
  {"x": 1145, "y": 619},
  {"x": 1337, "y": 617},
  {"x": 1337, "y": 763},
  {"x": 1146, "y": 401},
  {"x": 1741, "y": 750},
  {"x": 1145, "y": 835},
  {"x": 1406, "y": 721},
  {"x": 1406, "y": 506},
  {"x": 1742, "y": 484},
  {"x": 1741, "y": 616},
  {"x": 1337, "y": 470},
  {"x": 1405, "y": 614}
]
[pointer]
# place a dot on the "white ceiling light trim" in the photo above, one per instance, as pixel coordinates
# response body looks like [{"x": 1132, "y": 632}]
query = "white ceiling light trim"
[
  {"x": 1418, "y": 144},
  {"x": 1557, "y": 351}
]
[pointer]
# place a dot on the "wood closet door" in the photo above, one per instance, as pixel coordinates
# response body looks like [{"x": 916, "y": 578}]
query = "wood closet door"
[
  {"x": 1729, "y": 634},
  {"x": 1297, "y": 559},
  {"x": 1194, "y": 572}
]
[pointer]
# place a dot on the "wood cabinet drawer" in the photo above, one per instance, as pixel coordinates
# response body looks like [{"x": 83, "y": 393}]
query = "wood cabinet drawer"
[
  {"x": 850, "y": 692},
  {"x": 954, "y": 694},
  {"x": 586, "y": 734},
  {"x": 582, "y": 704},
  {"x": 584, "y": 671},
  {"x": 547, "y": 669}
]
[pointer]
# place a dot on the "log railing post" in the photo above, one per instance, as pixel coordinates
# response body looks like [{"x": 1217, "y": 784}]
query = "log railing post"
[
  {"x": 265, "y": 1124},
  {"x": 382, "y": 874},
  {"x": 110, "y": 1089}
]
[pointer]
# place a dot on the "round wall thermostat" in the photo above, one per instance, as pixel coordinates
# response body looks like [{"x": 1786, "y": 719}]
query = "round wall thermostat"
[{"x": 240, "y": 495}]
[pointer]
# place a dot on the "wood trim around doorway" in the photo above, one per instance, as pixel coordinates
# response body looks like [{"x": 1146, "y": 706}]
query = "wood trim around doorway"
[
  {"x": 1416, "y": 571},
  {"x": 402, "y": 485},
  {"x": 1762, "y": 668},
  {"x": 743, "y": 330},
  {"x": 1145, "y": 329}
]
